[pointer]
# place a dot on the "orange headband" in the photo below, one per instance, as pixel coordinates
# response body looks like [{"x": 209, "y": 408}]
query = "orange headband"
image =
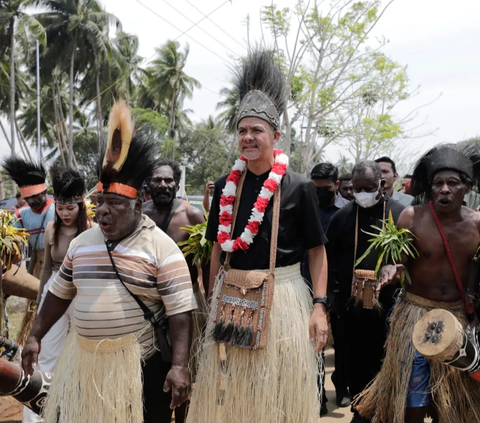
[
  {"x": 120, "y": 189},
  {"x": 32, "y": 190}
]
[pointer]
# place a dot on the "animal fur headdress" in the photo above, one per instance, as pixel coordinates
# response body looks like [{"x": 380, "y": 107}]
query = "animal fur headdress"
[
  {"x": 262, "y": 89},
  {"x": 462, "y": 158},
  {"x": 68, "y": 185},
  {"x": 127, "y": 159},
  {"x": 30, "y": 177}
]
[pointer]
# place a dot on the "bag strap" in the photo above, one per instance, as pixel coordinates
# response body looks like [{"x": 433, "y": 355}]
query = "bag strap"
[
  {"x": 147, "y": 313},
  {"x": 275, "y": 222},
  {"x": 168, "y": 218},
  {"x": 468, "y": 305}
]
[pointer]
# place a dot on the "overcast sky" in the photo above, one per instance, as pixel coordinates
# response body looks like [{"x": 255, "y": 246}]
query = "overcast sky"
[{"x": 439, "y": 41}]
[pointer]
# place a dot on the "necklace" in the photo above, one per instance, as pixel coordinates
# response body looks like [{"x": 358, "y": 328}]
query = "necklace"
[{"x": 228, "y": 198}]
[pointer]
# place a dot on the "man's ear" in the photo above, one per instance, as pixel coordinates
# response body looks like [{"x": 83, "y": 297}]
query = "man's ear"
[
  {"x": 138, "y": 205},
  {"x": 276, "y": 136},
  {"x": 395, "y": 176},
  {"x": 337, "y": 185}
]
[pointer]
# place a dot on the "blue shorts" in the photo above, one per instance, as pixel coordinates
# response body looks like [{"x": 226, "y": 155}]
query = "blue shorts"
[{"x": 418, "y": 385}]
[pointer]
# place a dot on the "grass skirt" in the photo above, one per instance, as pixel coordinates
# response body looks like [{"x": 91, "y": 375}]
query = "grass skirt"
[
  {"x": 199, "y": 317},
  {"x": 276, "y": 384},
  {"x": 455, "y": 396},
  {"x": 96, "y": 381}
]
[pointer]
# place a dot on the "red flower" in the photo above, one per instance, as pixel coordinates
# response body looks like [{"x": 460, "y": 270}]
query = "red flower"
[
  {"x": 261, "y": 204},
  {"x": 227, "y": 200},
  {"x": 270, "y": 184},
  {"x": 234, "y": 176},
  {"x": 279, "y": 168},
  {"x": 225, "y": 219},
  {"x": 253, "y": 226},
  {"x": 240, "y": 244},
  {"x": 222, "y": 237}
]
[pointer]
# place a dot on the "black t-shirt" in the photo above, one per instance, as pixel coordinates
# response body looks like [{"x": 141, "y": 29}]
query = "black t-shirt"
[
  {"x": 341, "y": 245},
  {"x": 300, "y": 226}
]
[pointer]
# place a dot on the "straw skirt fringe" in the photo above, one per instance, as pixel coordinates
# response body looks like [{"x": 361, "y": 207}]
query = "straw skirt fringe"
[
  {"x": 455, "y": 396},
  {"x": 199, "y": 317},
  {"x": 276, "y": 384},
  {"x": 96, "y": 382}
]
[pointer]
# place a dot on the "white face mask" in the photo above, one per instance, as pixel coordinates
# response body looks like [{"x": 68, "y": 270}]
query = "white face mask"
[{"x": 366, "y": 199}]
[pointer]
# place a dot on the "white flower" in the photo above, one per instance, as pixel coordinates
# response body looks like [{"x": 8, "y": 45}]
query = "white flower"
[{"x": 228, "y": 209}]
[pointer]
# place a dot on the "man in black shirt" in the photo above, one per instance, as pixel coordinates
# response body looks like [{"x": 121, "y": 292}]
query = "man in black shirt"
[
  {"x": 364, "y": 329},
  {"x": 279, "y": 382},
  {"x": 325, "y": 178}
]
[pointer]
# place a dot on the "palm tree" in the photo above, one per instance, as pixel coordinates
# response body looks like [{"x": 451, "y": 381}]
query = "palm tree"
[
  {"x": 11, "y": 13},
  {"x": 167, "y": 85},
  {"x": 75, "y": 26},
  {"x": 231, "y": 104},
  {"x": 126, "y": 45}
]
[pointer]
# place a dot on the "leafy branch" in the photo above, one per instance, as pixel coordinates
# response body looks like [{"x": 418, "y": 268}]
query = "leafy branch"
[
  {"x": 391, "y": 243},
  {"x": 196, "y": 244}
]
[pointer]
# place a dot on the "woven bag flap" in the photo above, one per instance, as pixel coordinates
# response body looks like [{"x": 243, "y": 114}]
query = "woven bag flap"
[
  {"x": 245, "y": 279},
  {"x": 365, "y": 274}
]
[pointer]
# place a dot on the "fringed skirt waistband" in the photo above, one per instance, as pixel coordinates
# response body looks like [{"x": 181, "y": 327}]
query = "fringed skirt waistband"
[{"x": 430, "y": 304}]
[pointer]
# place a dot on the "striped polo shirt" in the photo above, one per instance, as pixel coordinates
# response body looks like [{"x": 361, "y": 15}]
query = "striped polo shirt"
[{"x": 150, "y": 264}]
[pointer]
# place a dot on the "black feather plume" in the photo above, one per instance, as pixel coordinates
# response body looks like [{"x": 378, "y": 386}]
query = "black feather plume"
[
  {"x": 138, "y": 165},
  {"x": 258, "y": 71},
  {"x": 462, "y": 157},
  {"x": 67, "y": 183},
  {"x": 24, "y": 173}
]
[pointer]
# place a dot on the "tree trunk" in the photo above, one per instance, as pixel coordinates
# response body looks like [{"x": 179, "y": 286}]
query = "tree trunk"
[
  {"x": 70, "y": 113},
  {"x": 288, "y": 134},
  {"x": 99, "y": 108},
  {"x": 12, "y": 85},
  {"x": 172, "y": 125},
  {"x": 21, "y": 140},
  {"x": 57, "y": 124},
  {"x": 5, "y": 134}
]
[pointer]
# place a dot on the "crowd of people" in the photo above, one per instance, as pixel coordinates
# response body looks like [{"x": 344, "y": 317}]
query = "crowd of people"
[{"x": 118, "y": 302}]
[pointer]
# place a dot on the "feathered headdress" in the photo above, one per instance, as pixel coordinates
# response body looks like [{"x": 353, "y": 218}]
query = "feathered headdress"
[
  {"x": 126, "y": 160},
  {"x": 30, "y": 177},
  {"x": 462, "y": 158},
  {"x": 261, "y": 87},
  {"x": 68, "y": 185}
]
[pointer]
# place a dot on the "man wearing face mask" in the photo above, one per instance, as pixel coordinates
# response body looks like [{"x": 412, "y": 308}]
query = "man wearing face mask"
[
  {"x": 325, "y": 179},
  {"x": 364, "y": 329}
]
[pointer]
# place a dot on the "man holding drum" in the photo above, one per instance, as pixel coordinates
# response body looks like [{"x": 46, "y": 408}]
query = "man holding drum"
[{"x": 446, "y": 235}]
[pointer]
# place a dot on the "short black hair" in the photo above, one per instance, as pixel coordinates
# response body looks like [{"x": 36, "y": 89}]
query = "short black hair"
[
  {"x": 177, "y": 172},
  {"x": 345, "y": 177},
  {"x": 18, "y": 195},
  {"x": 365, "y": 165},
  {"x": 386, "y": 159},
  {"x": 325, "y": 171}
]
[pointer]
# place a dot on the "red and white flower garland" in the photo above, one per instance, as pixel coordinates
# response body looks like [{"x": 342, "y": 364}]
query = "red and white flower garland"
[{"x": 256, "y": 218}]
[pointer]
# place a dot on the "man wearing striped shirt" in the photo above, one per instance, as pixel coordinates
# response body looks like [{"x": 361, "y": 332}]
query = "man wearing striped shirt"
[{"x": 111, "y": 355}]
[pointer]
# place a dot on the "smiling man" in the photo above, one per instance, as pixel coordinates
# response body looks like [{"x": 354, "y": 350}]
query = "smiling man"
[
  {"x": 410, "y": 386},
  {"x": 259, "y": 367},
  {"x": 110, "y": 368}
]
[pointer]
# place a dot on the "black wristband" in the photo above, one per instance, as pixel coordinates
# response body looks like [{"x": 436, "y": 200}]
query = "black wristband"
[{"x": 324, "y": 301}]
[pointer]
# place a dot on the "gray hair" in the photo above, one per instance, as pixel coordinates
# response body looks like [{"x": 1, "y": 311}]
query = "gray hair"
[{"x": 364, "y": 166}]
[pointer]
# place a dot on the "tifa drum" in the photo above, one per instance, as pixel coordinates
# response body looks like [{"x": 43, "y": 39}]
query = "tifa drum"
[{"x": 439, "y": 336}]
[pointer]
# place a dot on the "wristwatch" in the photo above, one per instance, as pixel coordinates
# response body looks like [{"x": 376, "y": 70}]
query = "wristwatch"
[{"x": 324, "y": 301}]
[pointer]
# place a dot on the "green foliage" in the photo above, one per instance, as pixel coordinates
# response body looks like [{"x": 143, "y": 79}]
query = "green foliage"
[
  {"x": 197, "y": 245},
  {"x": 205, "y": 154},
  {"x": 390, "y": 243}
]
